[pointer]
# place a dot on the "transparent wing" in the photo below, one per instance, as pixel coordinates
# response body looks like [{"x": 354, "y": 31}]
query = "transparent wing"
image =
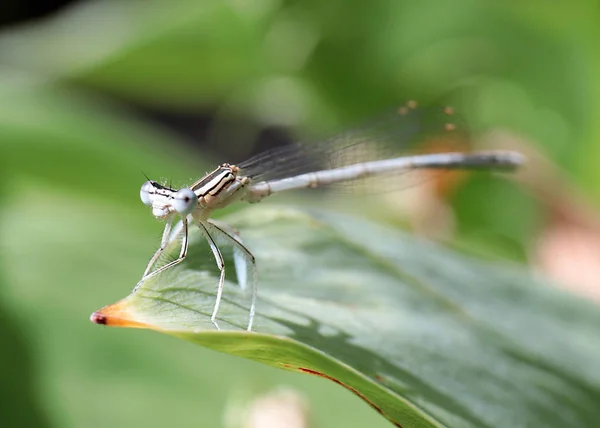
[{"x": 408, "y": 129}]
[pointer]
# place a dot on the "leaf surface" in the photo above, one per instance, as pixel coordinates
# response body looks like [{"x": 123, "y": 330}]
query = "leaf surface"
[{"x": 426, "y": 336}]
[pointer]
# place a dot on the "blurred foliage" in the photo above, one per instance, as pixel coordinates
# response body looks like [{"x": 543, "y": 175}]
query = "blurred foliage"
[{"x": 74, "y": 234}]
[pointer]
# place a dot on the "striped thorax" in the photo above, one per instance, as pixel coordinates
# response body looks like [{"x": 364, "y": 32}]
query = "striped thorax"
[{"x": 212, "y": 191}]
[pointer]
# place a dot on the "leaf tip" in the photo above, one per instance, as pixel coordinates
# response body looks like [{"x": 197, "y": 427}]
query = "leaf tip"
[{"x": 117, "y": 315}]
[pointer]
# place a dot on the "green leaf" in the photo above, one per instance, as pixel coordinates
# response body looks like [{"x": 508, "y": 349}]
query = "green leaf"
[
  {"x": 183, "y": 52},
  {"x": 426, "y": 336},
  {"x": 71, "y": 140}
]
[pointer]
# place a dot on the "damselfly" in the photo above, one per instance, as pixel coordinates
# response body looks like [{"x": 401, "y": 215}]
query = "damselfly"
[{"x": 349, "y": 156}]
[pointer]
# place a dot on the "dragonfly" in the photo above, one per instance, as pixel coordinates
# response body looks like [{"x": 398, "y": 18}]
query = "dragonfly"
[{"x": 347, "y": 157}]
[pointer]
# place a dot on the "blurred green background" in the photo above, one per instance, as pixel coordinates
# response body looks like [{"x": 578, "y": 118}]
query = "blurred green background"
[{"x": 93, "y": 93}]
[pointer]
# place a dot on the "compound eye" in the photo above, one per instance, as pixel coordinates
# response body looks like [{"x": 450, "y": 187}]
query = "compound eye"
[
  {"x": 185, "y": 201},
  {"x": 145, "y": 191}
]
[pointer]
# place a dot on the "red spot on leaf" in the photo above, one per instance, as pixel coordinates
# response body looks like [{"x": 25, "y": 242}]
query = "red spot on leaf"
[{"x": 98, "y": 318}]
